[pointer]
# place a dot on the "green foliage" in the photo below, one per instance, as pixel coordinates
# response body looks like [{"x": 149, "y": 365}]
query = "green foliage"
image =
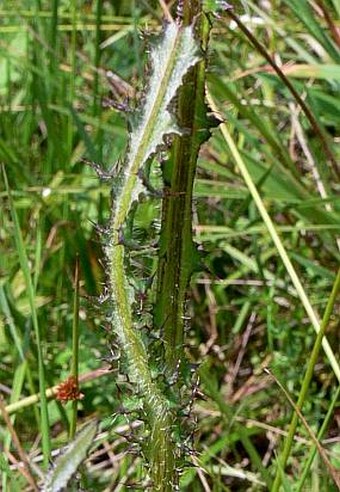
[{"x": 65, "y": 67}]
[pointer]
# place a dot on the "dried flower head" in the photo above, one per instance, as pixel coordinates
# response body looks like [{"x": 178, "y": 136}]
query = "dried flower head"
[{"x": 69, "y": 390}]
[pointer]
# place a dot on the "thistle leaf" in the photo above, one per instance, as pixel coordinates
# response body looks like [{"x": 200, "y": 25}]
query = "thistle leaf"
[
  {"x": 171, "y": 58},
  {"x": 170, "y": 61},
  {"x": 67, "y": 463}
]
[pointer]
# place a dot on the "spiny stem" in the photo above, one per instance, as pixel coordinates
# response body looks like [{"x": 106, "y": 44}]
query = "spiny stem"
[
  {"x": 172, "y": 59},
  {"x": 177, "y": 250}
]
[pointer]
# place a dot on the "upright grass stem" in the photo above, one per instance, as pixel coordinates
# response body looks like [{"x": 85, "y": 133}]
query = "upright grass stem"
[
  {"x": 276, "y": 240},
  {"x": 72, "y": 75},
  {"x": 323, "y": 428},
  {"x": 31, "y": 298},
  {"x": 75, "y": 347},
  {"x": 306, "y": 381},
  {"x": 97, "y": 53}
]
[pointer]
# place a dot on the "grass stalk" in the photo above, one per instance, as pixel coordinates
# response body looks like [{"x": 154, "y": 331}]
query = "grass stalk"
[
  {"x": 330, "y": 22},
  {"x": 308, "y": 113},
  {"x": 320, "y": 435},
  {"x": 31, "y": 298},
  {"x": 323, "y": 455},
  {"x": 306, "y": 381},
  {"x": 75, "y": 348},
  {"x": 97, "y": 53},
  {"x": 276, "y": 239},
  {"x": 72, "y": 76},
  {"x": 54, "y": 28}
]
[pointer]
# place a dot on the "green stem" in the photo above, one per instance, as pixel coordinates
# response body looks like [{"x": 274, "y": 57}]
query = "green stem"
[
  {"x": 320, "y": 435},
  {"x": 75, "y": 347},
  {"x": 53, "y": 43},
  {"x": 97, "y": 53},
  {"x": 306, "y": 382},
  {"x": 72, "y": 76},
  {"x": 177, "y": 251},
  {"x": 161, "y": 450}
]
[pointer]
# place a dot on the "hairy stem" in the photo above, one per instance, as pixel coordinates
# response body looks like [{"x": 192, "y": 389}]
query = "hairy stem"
[{"x": 171, "y": 60}]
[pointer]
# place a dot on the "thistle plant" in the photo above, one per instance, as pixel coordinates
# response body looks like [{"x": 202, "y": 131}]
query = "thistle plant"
[
  {"x": 172, "y": 112},
  {"x": 268, "y": 222}
]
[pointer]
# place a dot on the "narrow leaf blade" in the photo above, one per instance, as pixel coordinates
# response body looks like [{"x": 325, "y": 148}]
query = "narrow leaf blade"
[
  {"x": 170, "y": 60},
  {"x": 67, "y": 463}
]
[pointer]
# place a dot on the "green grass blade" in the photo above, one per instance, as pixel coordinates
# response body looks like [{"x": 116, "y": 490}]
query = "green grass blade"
[
  {"x": 277, "y": 241},
  {"x": 31, "y": 297},
  {"x": 75, "y": 347},
  {"x": 313, "y": 451},
  {"x": 307, "y": 379},
  {"x": 304, "y": 12}
]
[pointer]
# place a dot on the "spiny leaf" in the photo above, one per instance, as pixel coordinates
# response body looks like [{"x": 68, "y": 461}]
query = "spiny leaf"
[
  {"x": 67, "y": 463},
  {"x": 170, "y": 61}
]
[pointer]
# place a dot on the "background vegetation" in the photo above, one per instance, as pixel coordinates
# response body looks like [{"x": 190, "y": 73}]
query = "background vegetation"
[{"x": 66, "y": 68}]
